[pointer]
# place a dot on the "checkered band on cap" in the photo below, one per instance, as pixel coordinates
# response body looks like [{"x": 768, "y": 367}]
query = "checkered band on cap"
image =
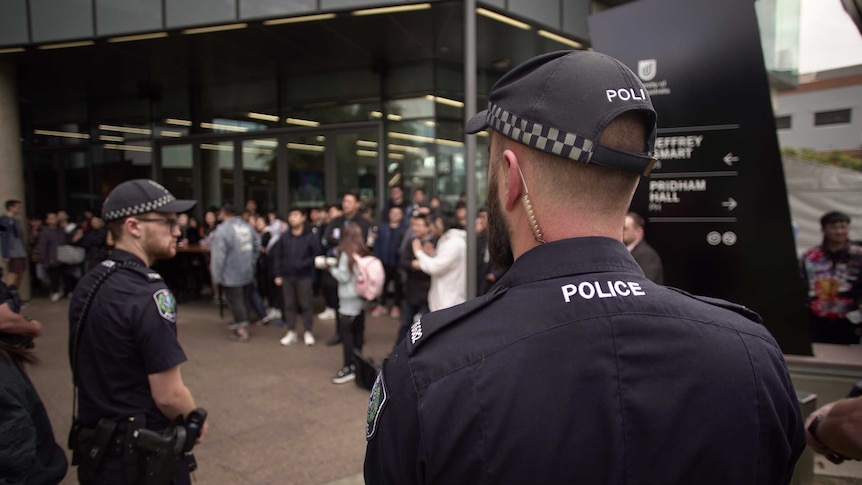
[
  {"x": 151, "y": 206},
  {"x": 538, "y": 136}
]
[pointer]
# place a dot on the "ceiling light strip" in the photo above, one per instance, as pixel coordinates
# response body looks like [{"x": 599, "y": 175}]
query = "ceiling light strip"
[
  {"x": 128, "y": 148},
  {"x": 63, "y": 45},
  {"x": 126, "y": 129},
  {"x": 560, "y": 39},
  {"x": 306, "y": 18},
  {"x": 503, "y": 18},
  {"x": 218, "y": 126},
  {"x": 171, "y": 134},
  {"x": 218, "y": 148},
  {"x": 301, "y": 122},
  {"x": 396, "y": 9},
  {"x": 425, "y": 139},
  {"x": 12, "y": 49},
  {"x": 366, "y": 143},
  {"x": 366, "y": 153},
  {"x": 262, "y": 116},
  {"x": 111, "y": 138},
  {"x": 131, "y": 38},
  {"x": 64, "y": 134},
  {"x": 214, "y": 28},
  {"x": 446, "y": 101},
  {"x": 178, "y": 122}
]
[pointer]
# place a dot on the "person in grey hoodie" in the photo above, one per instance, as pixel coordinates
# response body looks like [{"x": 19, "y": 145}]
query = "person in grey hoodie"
[{"x": 234, "y": 252}]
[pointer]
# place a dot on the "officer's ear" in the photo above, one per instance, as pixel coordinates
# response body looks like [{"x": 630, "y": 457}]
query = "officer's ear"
[
  {"x": 133, "y": 227},
  {"x": 513, "y": 187}
]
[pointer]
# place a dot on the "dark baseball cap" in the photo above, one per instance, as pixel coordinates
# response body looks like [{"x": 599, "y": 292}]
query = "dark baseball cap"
[
  {"x": 561, "y": 102},
  {"x": 140, "y": 196}
]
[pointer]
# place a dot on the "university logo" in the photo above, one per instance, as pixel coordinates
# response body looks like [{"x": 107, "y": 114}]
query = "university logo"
[{"x": 647, "y": 69}]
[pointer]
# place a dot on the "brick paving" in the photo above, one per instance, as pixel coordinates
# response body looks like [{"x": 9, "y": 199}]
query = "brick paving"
[{"x": 275, "y": 417}]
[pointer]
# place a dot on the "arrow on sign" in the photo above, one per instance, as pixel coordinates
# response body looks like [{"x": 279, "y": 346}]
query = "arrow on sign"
[
  {"x": 730, "y": 204},
  {"x": 730, "y": 158}
]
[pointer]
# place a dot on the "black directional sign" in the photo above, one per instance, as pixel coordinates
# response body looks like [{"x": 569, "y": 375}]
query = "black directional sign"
[{"x": 716, "y": 204}]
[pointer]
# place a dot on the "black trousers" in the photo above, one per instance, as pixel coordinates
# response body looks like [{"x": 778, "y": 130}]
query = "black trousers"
[
  {"x": 112, "y": 471},
  {"x": 352, "y": 331},
  {"x": 297, "y": 300},
  {"x": 329, "y": 288}
]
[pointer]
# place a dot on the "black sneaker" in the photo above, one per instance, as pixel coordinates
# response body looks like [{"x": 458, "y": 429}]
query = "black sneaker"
[
  {"x": 335, "y": 340},
  {"x": 346, "y": 374}
]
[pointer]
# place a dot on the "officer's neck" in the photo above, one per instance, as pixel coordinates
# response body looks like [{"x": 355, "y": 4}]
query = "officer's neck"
[{"x": 135, "y": 250}]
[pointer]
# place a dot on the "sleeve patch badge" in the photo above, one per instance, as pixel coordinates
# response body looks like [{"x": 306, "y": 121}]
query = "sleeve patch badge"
[
  {"x": 375, "y": 406},
  {"x": 166, "y": 304}
]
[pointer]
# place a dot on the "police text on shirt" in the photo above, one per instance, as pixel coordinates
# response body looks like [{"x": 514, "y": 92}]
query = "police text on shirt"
[{"x": 606, "y": 289}]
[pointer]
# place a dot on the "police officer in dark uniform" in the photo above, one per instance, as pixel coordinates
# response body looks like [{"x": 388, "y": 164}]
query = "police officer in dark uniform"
[
  {"x": 124, "y": 352},
  {"x": 574, "y": 367}
]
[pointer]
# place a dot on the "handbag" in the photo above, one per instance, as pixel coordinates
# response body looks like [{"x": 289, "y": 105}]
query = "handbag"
[{"x": 68, "y": 254}]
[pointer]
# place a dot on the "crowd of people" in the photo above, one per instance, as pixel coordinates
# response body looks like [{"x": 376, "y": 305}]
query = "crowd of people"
[{"x": 573, "y": 364}]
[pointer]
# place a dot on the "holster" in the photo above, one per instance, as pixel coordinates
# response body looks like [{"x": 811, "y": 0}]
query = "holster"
[
  {"x": 161, "y": 452},
  {"x": 89, "y": 446}
]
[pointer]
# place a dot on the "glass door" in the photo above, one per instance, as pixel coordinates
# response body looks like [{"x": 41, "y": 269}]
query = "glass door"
[
  {"x": 306, "y": 167},
  {"x": 356, "y": 159},
  {"x": 260, "y": 173}
]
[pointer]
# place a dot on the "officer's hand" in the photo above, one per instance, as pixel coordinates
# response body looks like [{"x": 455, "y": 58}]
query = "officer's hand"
[
  {"x": 417, "y": 246},
  {"x": 35, "y": 330},
  {"x": 204, "y": 431},
  {"x": 279, "y": 281},
  {"x": 813, "y": 442},
  {"x": 415, "y": 265}
]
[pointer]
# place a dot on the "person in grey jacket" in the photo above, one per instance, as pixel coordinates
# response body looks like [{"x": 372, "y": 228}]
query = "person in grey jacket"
[{"x": 234, "y": 252}]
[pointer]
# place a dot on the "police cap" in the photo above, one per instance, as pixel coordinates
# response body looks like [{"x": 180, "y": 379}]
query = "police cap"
[
  {"x": 140, "y": 196},
  {"x": 561, "y": 102}
]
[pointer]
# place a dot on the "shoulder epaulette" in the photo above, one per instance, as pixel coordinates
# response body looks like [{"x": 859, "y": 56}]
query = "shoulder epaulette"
[
  {"x": 741, "y": 310},
  {"x": 433, "y": 322}
]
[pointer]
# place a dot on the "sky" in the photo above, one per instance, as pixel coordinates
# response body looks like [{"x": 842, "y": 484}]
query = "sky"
[{"x": 828, "y": 39}]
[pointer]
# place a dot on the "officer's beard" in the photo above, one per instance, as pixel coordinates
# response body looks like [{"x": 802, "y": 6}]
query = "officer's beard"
[{"x": 499, "y": 247}]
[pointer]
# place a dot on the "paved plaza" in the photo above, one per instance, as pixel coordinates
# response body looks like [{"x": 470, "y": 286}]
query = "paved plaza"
[{"x": 275, "y": 418}]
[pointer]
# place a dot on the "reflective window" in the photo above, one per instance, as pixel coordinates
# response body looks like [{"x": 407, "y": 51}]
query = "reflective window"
[
  {"x": 13, "y": 22},
  {"x": 125, "y": 16},
  {"x": 333, "y": 4},
  {"x": 273, "y": 8},
  {"x": 217, "y": 173},
  {"x": 177, "y": 176},
  {"x": 836, "y": 117},
  {"x": 184, "y": 13},
  {"x": 260, "y": 173},
  {"x": 52, "y": 20},
  {"x": 356, "y": 166},
  {"x": 783, "y": 122},
  {"x": 575, "y": 13},
  {"x": 546, "y": 12},
  {"x": 306, "y": 177}
]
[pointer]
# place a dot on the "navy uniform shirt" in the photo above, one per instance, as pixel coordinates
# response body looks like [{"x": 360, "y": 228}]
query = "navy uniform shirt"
[
  {"x": 575, "y": 368},
  {"x": 130, "y": 333}
]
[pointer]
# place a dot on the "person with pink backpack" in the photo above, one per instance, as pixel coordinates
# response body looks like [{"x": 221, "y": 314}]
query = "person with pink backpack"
[{"x": 351, "y": 306}]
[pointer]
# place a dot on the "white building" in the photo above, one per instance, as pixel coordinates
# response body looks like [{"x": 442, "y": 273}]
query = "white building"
[{"x": 823, "y": 113}]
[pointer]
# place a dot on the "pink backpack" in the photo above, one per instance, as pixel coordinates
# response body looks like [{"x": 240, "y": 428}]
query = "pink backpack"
[{"x": 370, "y": 277}]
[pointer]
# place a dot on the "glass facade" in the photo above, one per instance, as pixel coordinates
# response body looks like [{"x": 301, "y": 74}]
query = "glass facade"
[
  {"x": 779, "y": 36},
  {"x": 283, "y": 113}
]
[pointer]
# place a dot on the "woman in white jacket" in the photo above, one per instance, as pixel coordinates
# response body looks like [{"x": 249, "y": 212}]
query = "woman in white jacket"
[
  {"x": 351, "y": 307},
  {"x": 447, "y": 266}
]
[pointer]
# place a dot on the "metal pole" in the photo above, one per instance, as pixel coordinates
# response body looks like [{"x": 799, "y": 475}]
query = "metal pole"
[{"x": 470, "y": 140}]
